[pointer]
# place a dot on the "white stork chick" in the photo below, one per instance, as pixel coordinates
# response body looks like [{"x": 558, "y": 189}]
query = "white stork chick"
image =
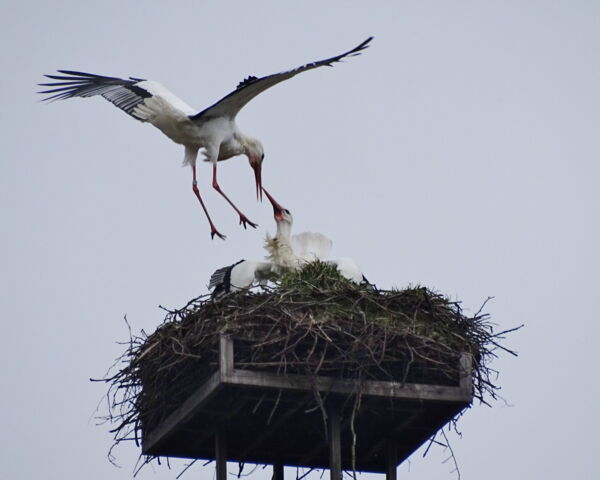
[
  {"x": 213, "y": 129},
  {"x": 287, "y": 251},
  {"x": 246, "y": 273}
]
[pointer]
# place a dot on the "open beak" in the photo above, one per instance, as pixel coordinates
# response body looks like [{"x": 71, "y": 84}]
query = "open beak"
[
  {"x": 257, "y": 167},
  {"x": 277, "y": 209}
]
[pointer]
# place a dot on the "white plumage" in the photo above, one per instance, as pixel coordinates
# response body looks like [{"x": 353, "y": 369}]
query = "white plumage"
[
  {"x": 309, "y": 246},
  {"x": 240, "y": 276},
  {"x": 285, "y": 252},
  {"x": 348, "y": 269},
  {"x": 212, "y": 130},
  {"x": 293, "y": 251}
]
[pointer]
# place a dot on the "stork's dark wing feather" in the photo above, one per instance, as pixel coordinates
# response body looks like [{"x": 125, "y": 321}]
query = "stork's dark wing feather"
[
  {"x": 124, "y": 94},
  {"x": 221, "y": 280},
  {"x": 230, "y": 105}
]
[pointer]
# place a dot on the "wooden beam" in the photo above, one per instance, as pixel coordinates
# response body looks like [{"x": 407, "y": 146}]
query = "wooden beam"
[
  {"x": 391, "y": 459},
  {"x": 345, "y": 425},
  {"x": 183, "y": 414},
  {"x": 335, "y": 448},
  {"x": 225, "y": 355},
  {"x": 278, "y": 471},
  {"x": 407, "y": 391},
  {"x": 466, "y": 373},
  {"x": 221, "y": 453}
]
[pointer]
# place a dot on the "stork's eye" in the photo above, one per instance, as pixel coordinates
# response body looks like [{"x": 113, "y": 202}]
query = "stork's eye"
[
  {"x": 262, "y": 157},
  {"x": 286, "y": 211}
]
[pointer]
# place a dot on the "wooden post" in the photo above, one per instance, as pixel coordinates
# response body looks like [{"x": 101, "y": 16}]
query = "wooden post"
[
  {"x": 225, "y": 355},
  {"x": 278, "y": 471},
  {"x": 335, "y": 450},
  {"x": 221, "y": 453},
  {"x": 465, "y": 372},
  {"x": 392, "y": 460}
]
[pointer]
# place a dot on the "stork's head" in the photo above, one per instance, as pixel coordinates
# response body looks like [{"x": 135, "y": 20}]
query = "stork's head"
[
  {"x": 284, "y": 216},
  {"x": 253, "y": 149}
]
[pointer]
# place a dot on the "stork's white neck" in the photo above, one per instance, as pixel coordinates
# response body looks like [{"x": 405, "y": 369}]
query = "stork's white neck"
[
  {"x": 284, "y": 231},
  {"x": 240, "y": 138},
  {"x": 249, "y": 146},
  {"x": 281, "y": 253}
]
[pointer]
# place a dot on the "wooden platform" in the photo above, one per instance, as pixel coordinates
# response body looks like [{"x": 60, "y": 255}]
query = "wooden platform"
[{"x": 261, "y": 417}]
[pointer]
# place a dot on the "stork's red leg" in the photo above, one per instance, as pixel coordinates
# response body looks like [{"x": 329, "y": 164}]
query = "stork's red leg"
[
  {"x": 243, "y": 219},
  {"x": 213, "y": 230}
]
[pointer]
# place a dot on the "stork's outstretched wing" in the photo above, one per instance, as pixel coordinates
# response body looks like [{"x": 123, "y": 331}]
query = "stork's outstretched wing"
[
  {"x": 309, "y": 246},
  {"x": 124, "y": 94},
  {"x": 230, "y": 105}
]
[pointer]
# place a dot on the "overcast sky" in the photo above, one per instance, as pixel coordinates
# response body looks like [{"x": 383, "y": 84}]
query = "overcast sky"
[{"x": 459, "y": 152}]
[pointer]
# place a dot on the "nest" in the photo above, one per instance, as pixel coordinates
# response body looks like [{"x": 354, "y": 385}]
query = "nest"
[{"x": 312, "y": 322}]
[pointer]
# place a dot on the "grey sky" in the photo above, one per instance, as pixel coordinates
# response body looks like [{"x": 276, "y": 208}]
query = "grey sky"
[{"x": 459, "y": 152}]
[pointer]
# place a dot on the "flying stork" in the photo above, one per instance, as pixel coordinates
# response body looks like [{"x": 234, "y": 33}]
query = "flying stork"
[{"x": 213, "y": 129}]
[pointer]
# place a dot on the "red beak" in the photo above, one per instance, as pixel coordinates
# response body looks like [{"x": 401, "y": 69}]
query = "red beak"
[
  {"x": 257, "y": 167},
  {"x": 277, "y": 209}
]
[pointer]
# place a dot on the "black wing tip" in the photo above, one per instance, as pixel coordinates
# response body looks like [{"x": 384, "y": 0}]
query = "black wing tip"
[
  {"x": 74, "y": 83},
  {"x": 350, "y": 53},
  {"x": 79, "y": 74},
  {"x": 67, "y": 84},
  {"x": 364, "y": 45},
  {"x": 75, "y": 76}
]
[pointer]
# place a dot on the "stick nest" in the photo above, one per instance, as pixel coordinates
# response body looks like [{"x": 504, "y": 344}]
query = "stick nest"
[{"x": 312, "y": 322}]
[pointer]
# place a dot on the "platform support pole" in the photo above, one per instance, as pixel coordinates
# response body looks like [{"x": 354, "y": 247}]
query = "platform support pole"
[
  {"x": 278, "y": 471},
  {"x": 221, "y": 453},
  {"x": 335, "y": 450},
  {"x": 392, "y": 460}
]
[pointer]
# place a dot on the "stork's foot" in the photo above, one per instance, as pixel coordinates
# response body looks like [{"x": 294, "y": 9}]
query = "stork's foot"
[
  {"x": 244, "y": 221},
  {"x": 214, "y": 231}
]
